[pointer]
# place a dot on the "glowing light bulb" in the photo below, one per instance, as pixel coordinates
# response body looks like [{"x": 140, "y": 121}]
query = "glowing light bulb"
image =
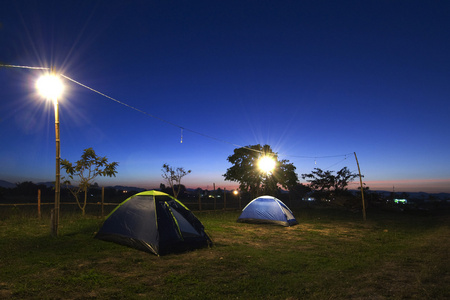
[
  {"x": 49, "y": 86},
  {"x": 266, "y": 164}
]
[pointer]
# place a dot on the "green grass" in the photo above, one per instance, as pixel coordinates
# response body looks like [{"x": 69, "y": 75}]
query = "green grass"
[{"x": 330, "y": 255}]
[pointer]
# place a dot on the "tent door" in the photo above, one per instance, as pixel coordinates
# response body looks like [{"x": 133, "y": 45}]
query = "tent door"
[{"x": 186, "y": 229}]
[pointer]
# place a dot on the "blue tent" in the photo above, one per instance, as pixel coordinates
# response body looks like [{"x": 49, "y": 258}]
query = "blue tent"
[{"x": 267, "y": 209}]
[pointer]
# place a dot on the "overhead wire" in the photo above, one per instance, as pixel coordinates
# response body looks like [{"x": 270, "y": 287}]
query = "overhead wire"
[
  {"x": 190, "y": 130},
  {"x": 150, "y": 115},
  {"x": 171, "y": 123},
  {"x": 327, "y": 168},
  {"x": 24, "y": 67},
  {"x": 315, "y": 157}
]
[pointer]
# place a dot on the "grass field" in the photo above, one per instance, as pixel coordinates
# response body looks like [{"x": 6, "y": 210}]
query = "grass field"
[{"x": 330, "y": 255}]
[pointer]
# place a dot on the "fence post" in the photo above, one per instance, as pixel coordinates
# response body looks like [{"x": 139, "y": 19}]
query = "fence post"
[
  {"x": 215, "y": 203},
  {"x": 224, "y": 198},
  {"x": 52, "y": 216},
  {"x": 199, "y": 201},
  {"x": 39, "y": 204},
  {"x": 290, "y": 199},
  {"x": 103, "y": 201}
]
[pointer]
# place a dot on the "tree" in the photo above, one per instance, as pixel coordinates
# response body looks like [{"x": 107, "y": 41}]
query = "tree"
[
  {"x": 300, "y": 191},
  {"x": 342, "y": 179},
  {"x": 86, "y": 170},
  {"x": 173, "y": 177},
  {"x": 251, "y": 179},
  {"x": 325, "y": 183},
  {"x": 26, "y": 189}
]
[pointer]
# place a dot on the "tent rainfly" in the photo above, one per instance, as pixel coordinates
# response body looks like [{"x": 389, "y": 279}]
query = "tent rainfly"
[
  {"x": 267, "y": 209},
  {"x": 154, "y": 222}
]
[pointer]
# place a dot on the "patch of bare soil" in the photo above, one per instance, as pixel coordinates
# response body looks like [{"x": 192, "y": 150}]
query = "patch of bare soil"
[
  {"x": 388, "y": 281},
  {"x": 5, "y": 292}
]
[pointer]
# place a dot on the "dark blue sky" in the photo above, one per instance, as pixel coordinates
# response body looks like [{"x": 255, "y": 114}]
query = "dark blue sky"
[{"x": 310, "y": 78}]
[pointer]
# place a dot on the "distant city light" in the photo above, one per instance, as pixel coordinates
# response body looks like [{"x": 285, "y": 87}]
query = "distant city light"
[{"x": 401, "y": 201}]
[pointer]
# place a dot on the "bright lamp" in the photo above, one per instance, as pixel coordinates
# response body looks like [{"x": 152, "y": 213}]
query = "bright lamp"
[
  {"x": 49, "y": 86},
  {"x": 266, "y": 164}
]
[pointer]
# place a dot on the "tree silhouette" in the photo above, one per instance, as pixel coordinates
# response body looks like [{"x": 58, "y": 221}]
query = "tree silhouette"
[
  {"x": 173, "y": 177},
  {"x": 325, "y": 182}
]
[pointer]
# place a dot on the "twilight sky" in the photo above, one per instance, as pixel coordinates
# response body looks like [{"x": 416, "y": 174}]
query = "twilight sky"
[{"x": 316, "y": 80}]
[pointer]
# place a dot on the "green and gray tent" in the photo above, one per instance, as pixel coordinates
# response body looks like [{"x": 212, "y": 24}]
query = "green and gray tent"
[{"x": 154, "y": 222}]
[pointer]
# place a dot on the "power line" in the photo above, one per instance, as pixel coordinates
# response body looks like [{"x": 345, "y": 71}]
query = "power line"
[
  {"x": 168, "y": 122},
  {"x": 315, "y": 157},
  {"x": 336, "y": 163},
  {"x": 150, "y": 115},
  {"x": 187, "y": 129},
  {"x": 24, "y": 67}
]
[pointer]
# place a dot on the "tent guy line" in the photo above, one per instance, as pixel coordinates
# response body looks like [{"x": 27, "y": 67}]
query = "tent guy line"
[{"x": 168, "y": 122}]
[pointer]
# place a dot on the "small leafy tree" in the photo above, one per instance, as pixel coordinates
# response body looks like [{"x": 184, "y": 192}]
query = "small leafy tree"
[
  {"x": 85, "y": 171},
  {"x": 173, "y": 177}
]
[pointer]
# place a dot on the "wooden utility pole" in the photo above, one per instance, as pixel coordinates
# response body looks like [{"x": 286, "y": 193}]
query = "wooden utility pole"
[
  {"x": 362, "y": 190},
  {"x": 55, "y": 224}
]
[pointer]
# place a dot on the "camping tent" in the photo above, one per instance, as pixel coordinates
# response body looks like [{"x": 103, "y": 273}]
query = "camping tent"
[
  {"x": 155, "y": 222},
  {"x": 267, "y": 209}
]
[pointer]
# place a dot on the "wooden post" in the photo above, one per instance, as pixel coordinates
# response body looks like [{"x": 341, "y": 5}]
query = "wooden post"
[
  {"x": 239, "y": 197},
  {"x": 290, "y": 199},
  {"x": 55, "y": 223},
  {"x": 224, "y": 198},
  {"x": 362, "y": 190},
  {"x": 215, "y": 204},
  {"x": 199, "y": 201},
  {"x": 103, "y": 201},
  {"x": 39, "y": 204},
  {"x": 52, "y": 216}
]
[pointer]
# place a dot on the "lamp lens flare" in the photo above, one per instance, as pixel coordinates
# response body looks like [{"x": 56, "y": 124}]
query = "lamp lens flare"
[
  {"x": 266, "y": 164},
  {"x": 49, "y": 86}
]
